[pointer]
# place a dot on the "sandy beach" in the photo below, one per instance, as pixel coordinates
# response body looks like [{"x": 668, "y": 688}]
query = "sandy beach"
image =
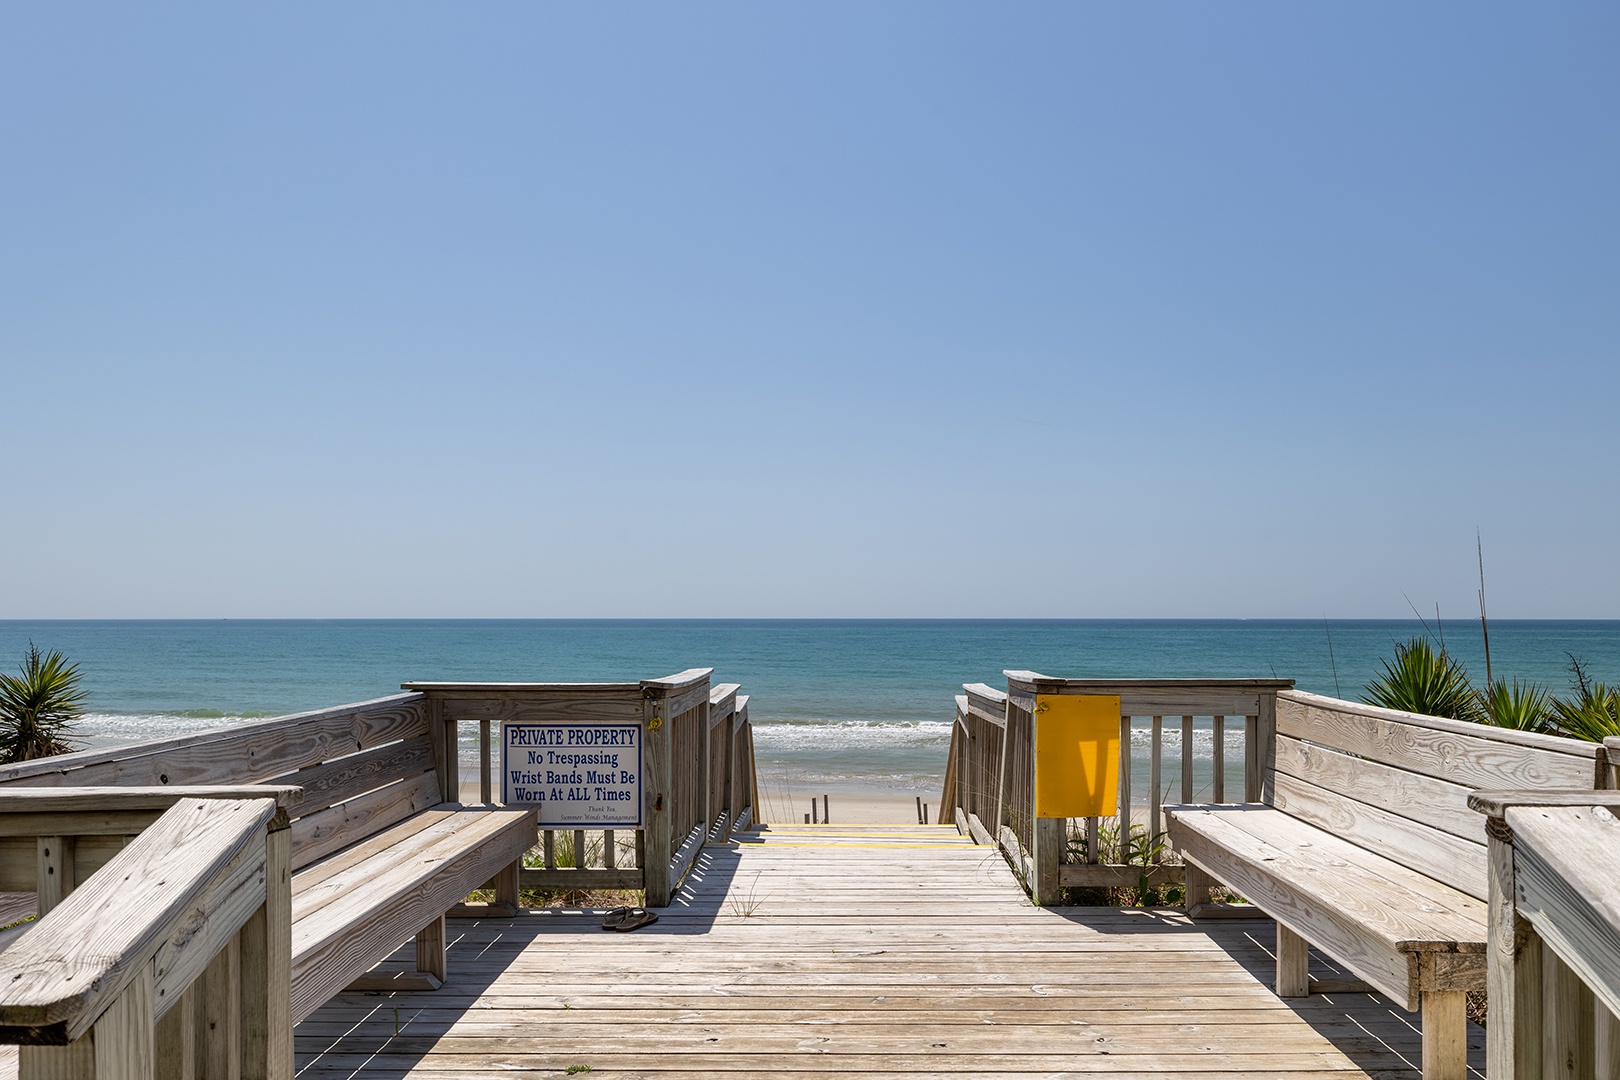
[{"x": 788, "y": 805}]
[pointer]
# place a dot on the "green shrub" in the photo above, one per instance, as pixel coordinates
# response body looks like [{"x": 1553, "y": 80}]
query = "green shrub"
[{"x": 39, "y": 707}]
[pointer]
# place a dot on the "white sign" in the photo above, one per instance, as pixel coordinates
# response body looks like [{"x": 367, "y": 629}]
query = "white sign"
[{"x": 576, "y": 774}]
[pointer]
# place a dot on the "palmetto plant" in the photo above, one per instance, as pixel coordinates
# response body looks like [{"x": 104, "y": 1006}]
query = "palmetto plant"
[
  {"x": 1425, "y": 680},
  {"x": 39, "y": 707},
  {"x": 1525, "y": 706},
  {"x": 1593, "y": 714}
]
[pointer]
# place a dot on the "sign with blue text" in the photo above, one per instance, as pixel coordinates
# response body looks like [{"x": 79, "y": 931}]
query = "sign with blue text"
[{"x": 579, "y": 775}]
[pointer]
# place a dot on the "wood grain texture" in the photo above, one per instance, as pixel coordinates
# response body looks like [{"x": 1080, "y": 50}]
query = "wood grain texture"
[
  {"x": 804, "y": 953},
  {"x": 1434, "y": 853},
  {"x": 265, "y": 948},
  {"x": 1430, "y": 801},
  {"x": 234, "y": 755},
  {"x": 1153, "y": 697},
  {"x": 332, "y": 782},
  {"x": 986, "y": 702},
  {"x": 219, "y": 1016},
  {"x": 611, "y": 703},
  {"x": 1514, "y": 1002},
  {"x": 347, "y": 823},
  {"x": 1567, "y": 886},
  {"x": 17, "y": 802},
  {"x": 56, "y": 980},
  {"x": 1445, "y": 1036},
  {"x": 1568, "y": 1042},
  {"x": 1293, "y": 964},
  {"x": 1328, "y": 892},
  {"x": 358, "y": 926},
  {"x": 722, "y": 702},
  {"x": 1473, "y": 755}
]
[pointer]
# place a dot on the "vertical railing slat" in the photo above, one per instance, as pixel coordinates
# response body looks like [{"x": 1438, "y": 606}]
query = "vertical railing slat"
[
  {"x": 1124, "y": 786},
  {"x": 484, "y": 785},
  {"x": 1218, "y": 789},
  {"x": 1251, "y": 759},
  {"x": 1186, "y": 759},
  {"x": 1155, "y": 769}
]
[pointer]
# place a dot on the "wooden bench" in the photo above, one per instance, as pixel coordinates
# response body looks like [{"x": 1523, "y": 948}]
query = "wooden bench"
[
  {"x": 1364, "y": 846},
  {"x": 381, "y": 847}
]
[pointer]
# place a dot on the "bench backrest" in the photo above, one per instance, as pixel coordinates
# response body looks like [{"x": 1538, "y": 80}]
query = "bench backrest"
[
  {"x": 1397, "y": 783},
  {"x": 363, "y": 767}
]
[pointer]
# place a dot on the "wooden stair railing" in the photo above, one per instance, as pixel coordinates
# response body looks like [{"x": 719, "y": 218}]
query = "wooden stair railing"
[
  {"x": 173, "y": 954},
  {"x": 1554, "y": 956}
]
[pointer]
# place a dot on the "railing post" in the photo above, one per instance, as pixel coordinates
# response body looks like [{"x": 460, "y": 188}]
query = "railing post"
[
  {"x": 728, "y": 791},
  {"x": 442, "y": 729},
  {"x": 176, "y": 1039},
  {"x": 1260, "y": 750},
  {"x": 219, "y": 1015},
  {"x": 1512, "y": 970},
  {"x": 1004, "y": 777},
  {"x": 656, "y": 816},
  {"x": 266, "y": 966},
  {"x": 54, "y": 870},
  {"x": 1047, "y": 838},
  {"x": 121, "y": 1045},
  {"x": 705, "y": 778}
]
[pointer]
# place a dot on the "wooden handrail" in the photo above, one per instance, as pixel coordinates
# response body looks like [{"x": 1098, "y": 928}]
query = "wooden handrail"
[
  {"x": 680, "y": 680},
  {"x": 183, "y": 888},
  {"x": 280, "y": 728},
  {"x": 992, "y": 768},
  {"x": 697, "y": 766},
  {"x": 67, "y": 800},
  {"x": 1554, "y": 954}
]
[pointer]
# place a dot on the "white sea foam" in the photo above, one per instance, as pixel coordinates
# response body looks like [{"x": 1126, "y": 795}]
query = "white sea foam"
[
  {"x": 850, "y": 735},
  {"x": 116, "y": 729}
]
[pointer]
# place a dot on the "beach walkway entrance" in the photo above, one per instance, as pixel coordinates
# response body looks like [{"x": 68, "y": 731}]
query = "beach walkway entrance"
[{"x": 860, "y": 951}]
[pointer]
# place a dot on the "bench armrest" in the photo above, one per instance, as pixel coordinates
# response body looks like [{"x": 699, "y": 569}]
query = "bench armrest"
[{"x": 1496, "y": 803}]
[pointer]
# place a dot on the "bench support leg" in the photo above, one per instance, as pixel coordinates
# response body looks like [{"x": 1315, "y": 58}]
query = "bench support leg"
[
  {"x": 506, "y": 885},
  {"x": 1293, "y": 964},
  {"x": 1196, "y": 884},
  {"x": 1445, "y": 1035},
  {"x": 430, "y": 949}
]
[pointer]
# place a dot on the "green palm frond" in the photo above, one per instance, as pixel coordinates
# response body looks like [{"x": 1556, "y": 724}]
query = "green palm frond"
[
  {"x": 1593, "y": 714},
  {"x": 1423, "y": 680},
  {"x": 1526, "y": 706},
  {"x": 39, "y": 707}
]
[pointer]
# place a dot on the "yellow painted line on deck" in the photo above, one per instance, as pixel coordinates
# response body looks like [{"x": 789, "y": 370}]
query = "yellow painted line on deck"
[{"x": 922, "y": 845}]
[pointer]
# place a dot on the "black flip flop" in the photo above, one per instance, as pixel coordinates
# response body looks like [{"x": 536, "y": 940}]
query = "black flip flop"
[
  {"x": 613, "y": 918},
  {"x": 637, "y": 918}
]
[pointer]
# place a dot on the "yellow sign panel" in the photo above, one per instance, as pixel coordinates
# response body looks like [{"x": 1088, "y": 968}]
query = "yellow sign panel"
[{"x": 1076, "y": 756}]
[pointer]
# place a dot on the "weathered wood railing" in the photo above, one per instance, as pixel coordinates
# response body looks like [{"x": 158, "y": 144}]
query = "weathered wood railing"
[
  {"x": 697, "y": 770},
  {"x": 172, "y": 955},
  {"x": 1553, "y": 966},
  {"x": 991, "y": 771}
]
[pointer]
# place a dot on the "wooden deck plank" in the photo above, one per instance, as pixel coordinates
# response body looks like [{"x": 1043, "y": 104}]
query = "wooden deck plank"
[{"x": 883, "y": 951}]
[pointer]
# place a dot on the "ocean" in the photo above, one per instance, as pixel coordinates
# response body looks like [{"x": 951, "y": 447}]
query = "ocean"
[{"x": 840, "y": 705}]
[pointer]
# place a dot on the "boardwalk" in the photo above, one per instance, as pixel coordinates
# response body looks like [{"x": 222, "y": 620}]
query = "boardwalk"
[{"x": 870, "y": 951}]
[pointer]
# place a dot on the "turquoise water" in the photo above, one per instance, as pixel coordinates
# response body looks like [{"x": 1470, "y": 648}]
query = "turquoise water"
[{"x": 840, "y": 704}]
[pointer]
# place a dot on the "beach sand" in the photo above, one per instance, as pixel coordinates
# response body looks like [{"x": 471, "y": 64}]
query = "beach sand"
[{"x": 788, "y": 805}]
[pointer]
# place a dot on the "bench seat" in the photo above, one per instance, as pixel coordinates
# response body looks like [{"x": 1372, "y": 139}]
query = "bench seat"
[
  {"x": 1400, "y": 931},
  {"x": 356, "y": 907}
]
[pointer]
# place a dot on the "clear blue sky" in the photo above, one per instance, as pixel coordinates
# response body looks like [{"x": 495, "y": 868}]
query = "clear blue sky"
[{"x": 893, "y": 309}]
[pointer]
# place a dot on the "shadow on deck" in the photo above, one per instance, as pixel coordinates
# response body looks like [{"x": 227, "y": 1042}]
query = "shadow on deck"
[{"x": 883, "y": 951}]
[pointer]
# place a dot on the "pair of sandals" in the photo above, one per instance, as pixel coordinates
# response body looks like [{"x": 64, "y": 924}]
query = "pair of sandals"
[{"x": 628, "y": 918}]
